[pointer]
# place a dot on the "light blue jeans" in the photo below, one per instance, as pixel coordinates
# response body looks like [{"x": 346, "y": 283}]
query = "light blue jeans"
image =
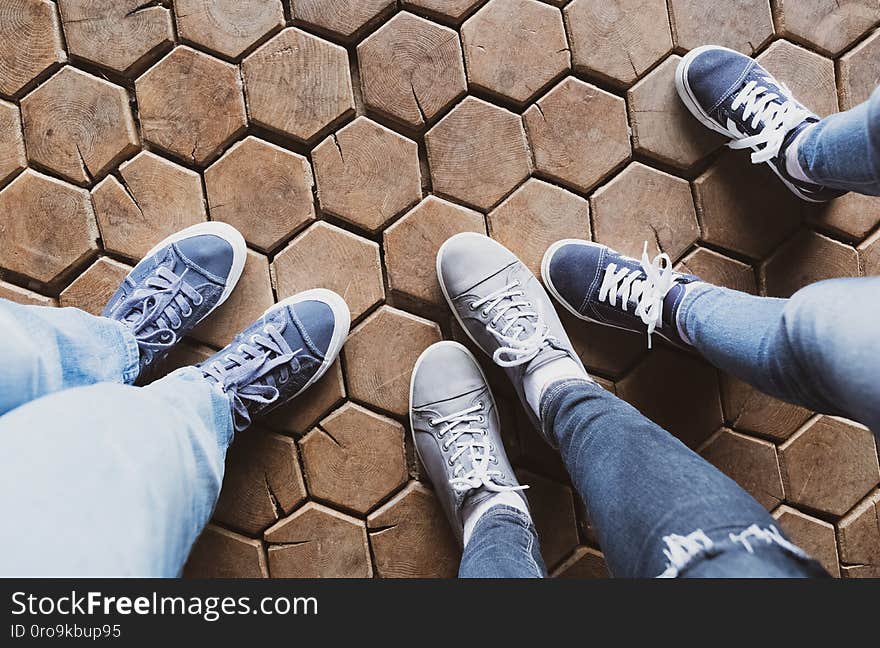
[{"x": 100, "y": 478}]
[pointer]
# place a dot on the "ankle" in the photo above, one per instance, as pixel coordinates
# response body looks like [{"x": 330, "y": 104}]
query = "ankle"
[
  {"x": 793, "y": 159},
  {"x": 536, "y": 382},
  {"x": 472, "y": 514}
]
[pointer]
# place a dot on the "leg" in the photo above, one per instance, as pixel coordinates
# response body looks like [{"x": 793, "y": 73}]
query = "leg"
[
  {"x": 657, "y": 507},
  {"x": 819, "y": 349},
  {"x": 111, "y": 480},
  {"x": 504, "y": 544}
]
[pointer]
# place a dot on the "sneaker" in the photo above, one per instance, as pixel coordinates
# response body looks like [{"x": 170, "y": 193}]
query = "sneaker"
[
  {"x": 454, "y": 422},
  {"x": 596, "y": 284},
  {"x": 734, "y": 95},
  {"x": 508, "y": 315},
  {"x": 280, "y": 355},
  {"x": 177, "y": 285}
]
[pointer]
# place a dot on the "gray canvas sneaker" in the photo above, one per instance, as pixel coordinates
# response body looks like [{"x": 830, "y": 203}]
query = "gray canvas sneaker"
[
  {"x": 456, "y": 431},
  {"x": 503, "y": 309}
]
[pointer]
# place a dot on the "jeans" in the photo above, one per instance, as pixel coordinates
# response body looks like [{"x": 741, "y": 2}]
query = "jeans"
[
  {"x": 100, "y": 478},
  {"x": 842, "y": 151}
]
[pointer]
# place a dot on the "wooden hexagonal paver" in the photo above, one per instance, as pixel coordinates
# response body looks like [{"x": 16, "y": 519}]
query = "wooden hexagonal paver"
[
  {"x": 515, "y": 48},
  {"x": 552, "y": 507},
  {"x": 354, "y": 458},
  {"x": 859, "y": 72},
  {"x": 318, "y": 542},
  {"x": 749, "y": 410},
  {"x": 827, "y": 26},
  {"x": 23, "y": 296},
  {"x": 48, "y": 226},
  {"x": 643, "y": 204},
  {"x": 155, "y": 199},
  {"x": 341, "y": 18},
  {"x": 859, "y": 533},
  {"x": 93, "y": 288},
  {"x": 116, "y": 34},
  {"x": 227, "y": 27},
  {"x": 743, "y": 26},
  {"x": 852, "y": 216},
  {"x": 719, "y": 270},
  {"x": 477, "y": 153},
  {"x": 617, "y": 40},
  {"x": 220, "y": 553},
  {"x": 809, "y": 76},
  {"x": 869, "y": 255},
  {"x": 349, "y": 265},
  {"x": 379, "y": 356},
  {"x": 806, "y": 258},
  {"x": 262, "y": 190},
  {"x": 452, "y": 11},
  {"x": 299, "y": 416},
  {"x": 411, "y": 538},
  {"x": 367, "y": 174},
  {"x": 12, "y": 155},
  {"x": 813, "y": 536},
  {"x": 578, "y": 134},
  {"x": 604, "y": 349},
  {"x": 662, "y": 127},
  {"x": 534, "y": 217},
  {"x": 829, "y": 465},
  {"x": 585, "y": 562},
  {"x": 78, "y": 125},
  {"x": 262, "y": 484},
  {"x": 30, "y": 42},
  {"x": 412, "y": 243},
  {"x": 689, "y": 406},
  {"x": 297, "y": 84},
  {"x": 751, "y": 463},
  {"x": 411, "y": 69},
  {"x": 191, "y": 105}
]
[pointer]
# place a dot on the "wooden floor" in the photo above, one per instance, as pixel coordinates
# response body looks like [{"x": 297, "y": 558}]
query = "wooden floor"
[{"x": 347, "y": 139}]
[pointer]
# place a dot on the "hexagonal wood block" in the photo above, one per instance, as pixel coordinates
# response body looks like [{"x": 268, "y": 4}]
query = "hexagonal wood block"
[
  {"x": 411, "y": 69},
  {"x": 24, "y": 296},
  {"x": 859, "y": 72},
  {"x": 318, "y": 542},
  {"x": 604, "y": 349},
  {"x": 827, "y": 26},
  {"x": 617, "y": 40},
  {"x": 662, "y": 127},
  {"x": 367, "y": 174},
  {"x": 354, "y": 458},
  {"x": 751, "y": 463},
  {"x": 578, "y": 134},
  {"x": 535, "y": 216},
  {"x": 341, "y": 18},
  {"x": 552, "y": 508},
  {"x": 297, "y": 84},
  {"x": 93, "y": 288},
  {"x": 477, "y": 153},
  {"x": 452, "y": 11},
  {"x": 12, "y": 155},
  {"x": 30, "y": 42},
  {"x": 227, "y": 27},
  {"x": 720, "y": 270},
  {"x": 733, "y": 198},
  {"x": 48, "y": 226},
  {"x": 852, "y": 216},
  {"x": 743, "y": 26},
  {"x": 349, "y": 265},
  {"x": 262, "y": 484},
  {"x": 809, "y": 76},
  {"x": 749, "y": 410},
  {"x": 78, "y": 125},
  {"x": 411, "y": 246},
  {"x": 689, "y": 407},
  {"x": 813, "y": 536},
  {"x": 157, "y": 199},
  {"x": 643, "y": 204},
  {"x": 829, "y": 465},
  {"x": 380, "y": 354},
  {"x": 191, "y": 105},
  {"x": 515, "y": 48},
  {"x": 411, "y": 538},
  {"x": 859, "y": 533},
  {"x": 299, "y": 416},
  {"x": 250, "y": 299},
  {"x": 804, "y": 259},
  {"x": 262, "y": 190},
  {"x": 869, "y": 255},
  {"x": 585, "y": 562},
  {"x": 116, "y": 34},
  {"x": 220, "y": 553}
]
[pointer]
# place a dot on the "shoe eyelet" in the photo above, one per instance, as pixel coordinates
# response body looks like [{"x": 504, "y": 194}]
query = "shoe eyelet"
[
  {"x": 253, "y": 339},
  {"x": 200, "y": 302},
  {"x": 484, "y": 313},
  {"x": 482, "y": 419},
  {"x": 472, "y": 306},
  {"x": 450, "y": 463}
]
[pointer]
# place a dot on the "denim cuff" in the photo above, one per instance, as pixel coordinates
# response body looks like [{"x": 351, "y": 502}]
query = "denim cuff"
[
  {"x": 550, "y": 403},
  {"x": 131, "y": 367}
]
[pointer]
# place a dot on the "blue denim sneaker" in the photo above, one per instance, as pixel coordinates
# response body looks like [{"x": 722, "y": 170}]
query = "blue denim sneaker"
[
  {"x": 176, "y": 285},
  {"x": 596, "y": 284},
  {"x": 280, "y": 355},
  {"x": 734, "y": 95}
]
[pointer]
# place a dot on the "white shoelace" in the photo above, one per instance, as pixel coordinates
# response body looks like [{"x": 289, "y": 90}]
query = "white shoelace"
[
  {"x": 509, "y": 305},
  {"x": 476, "y": 445},
  {"x": 647, "y": 291},
  {"x": 779, "y": 117}
]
